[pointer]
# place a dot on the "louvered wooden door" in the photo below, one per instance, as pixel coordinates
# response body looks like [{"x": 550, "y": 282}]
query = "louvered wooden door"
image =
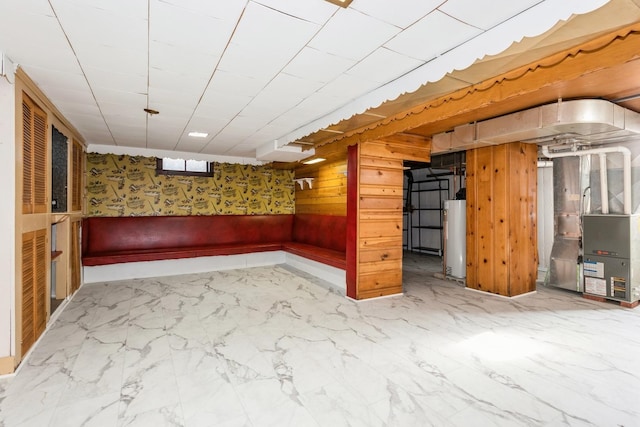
[
  {"x": 34, "y": 158},
  {"x": 34, "y": 287}
]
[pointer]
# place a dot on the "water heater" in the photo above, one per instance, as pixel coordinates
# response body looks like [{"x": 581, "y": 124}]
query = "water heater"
[{"x": 456, "y": 238}]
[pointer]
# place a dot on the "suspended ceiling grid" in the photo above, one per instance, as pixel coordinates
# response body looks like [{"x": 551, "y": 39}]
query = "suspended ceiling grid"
[{"x": 248, "y": 72}]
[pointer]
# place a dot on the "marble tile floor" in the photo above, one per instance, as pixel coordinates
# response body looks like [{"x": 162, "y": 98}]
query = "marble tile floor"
[{"x": 270, "y": 346}]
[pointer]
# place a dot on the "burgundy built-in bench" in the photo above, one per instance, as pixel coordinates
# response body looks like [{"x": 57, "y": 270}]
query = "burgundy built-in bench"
[{"x": 113, "y": 240}]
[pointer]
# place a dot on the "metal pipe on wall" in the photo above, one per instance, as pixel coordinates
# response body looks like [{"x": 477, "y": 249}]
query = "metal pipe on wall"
[{"x": 626, "y": 170}]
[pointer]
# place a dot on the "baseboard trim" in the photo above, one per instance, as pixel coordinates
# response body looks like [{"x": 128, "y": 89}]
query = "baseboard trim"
[{"x": 7, "y": 365}]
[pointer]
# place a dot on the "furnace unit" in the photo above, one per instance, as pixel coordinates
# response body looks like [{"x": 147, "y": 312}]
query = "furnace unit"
[{"x": 612, "y": 256}]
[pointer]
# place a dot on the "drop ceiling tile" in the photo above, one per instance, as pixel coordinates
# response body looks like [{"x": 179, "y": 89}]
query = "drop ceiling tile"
[
  {"x": 170, "y": 81},
  {"x": 100, "y": 138},
  {"x": 290, "y": 86},
  {"x": 124, "y": 99},
  {"x": 227, "y": 10},
  {"x": 312, "y": 64},
  {"x": 117, "y": 121},
  {"x": 221, "y": 110},
  {"x": 125, "y": 9},
  {"x": 313, "y": 11},
  {"x": 484, "y": 14},
  {"x": 191, "y": 146},
  {"x": 129, "y": 136},
  {"x": 61, "y": 80},
  {"x": 266, "y": 108},
  {"x": 216, "y": 148},
  {"x": 424, "y": 40},
  {"x": 352, "y": 34},
  {"x": 264, "y": 28},
  {"x": 246, "y": 125},
  {"x": 348, "y": 87},
  {"x": 32, "y": 7},
  {"x": 85, "y": 111},
  {"x": 187, "y": 63},
  {"x": 173, "y": 110},
  {"x": 260, "y": 65},
  {"x": 167, "y": 133},
  {"x": 119, "y": 109},
  {"x": 293, "y": 119},
  {"x": 210, "y": 125},
  {"x": 116, "y": 60},
  {"x": 69, "y": 96},
  {"x": 224, "y": 82},
  {"x": 89, "y": 25},
  {"x": 242, "y": 150},
  {"x": 19, "y": 44},
  {"x": 122, "y": 81},
  {"x": 401, "y": 13},
  {"x": 317, "y": 105},
  {"x": 384, "y": 65},
  {"x": 160, "y": 96},
  {"x": 198, "y": 32},
  {"x": 39, "y": 57}
]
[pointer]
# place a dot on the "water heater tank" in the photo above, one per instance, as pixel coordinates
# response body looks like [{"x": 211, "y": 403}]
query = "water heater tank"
[{"x": 456, "y": 240}]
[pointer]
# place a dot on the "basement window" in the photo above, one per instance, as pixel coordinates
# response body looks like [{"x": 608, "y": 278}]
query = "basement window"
[{"x": 169, "y": 166}]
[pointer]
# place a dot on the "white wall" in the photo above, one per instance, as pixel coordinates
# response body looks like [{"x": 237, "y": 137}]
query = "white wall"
[{"x": 7, "y": 216}]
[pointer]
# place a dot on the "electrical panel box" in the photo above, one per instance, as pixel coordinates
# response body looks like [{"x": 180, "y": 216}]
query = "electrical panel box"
[{"x": 611, "y": 262}]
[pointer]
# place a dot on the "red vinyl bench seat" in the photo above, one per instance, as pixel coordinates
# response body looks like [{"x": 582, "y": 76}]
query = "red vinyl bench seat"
[{"x": 113, "y": 240}]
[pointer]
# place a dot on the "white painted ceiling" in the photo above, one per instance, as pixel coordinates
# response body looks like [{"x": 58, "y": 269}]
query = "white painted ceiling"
[{"x": 248, "y": 72}]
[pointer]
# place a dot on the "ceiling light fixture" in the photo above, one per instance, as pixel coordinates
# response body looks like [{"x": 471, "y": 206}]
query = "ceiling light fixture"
[
  {"x": 314, "y": 161},
  {"x": 341, "y": 3},
  {"x": 198, "y": 134}
]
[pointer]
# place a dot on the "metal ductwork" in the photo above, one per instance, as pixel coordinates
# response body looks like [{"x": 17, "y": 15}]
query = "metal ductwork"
[{"x": 582, "y": 121}]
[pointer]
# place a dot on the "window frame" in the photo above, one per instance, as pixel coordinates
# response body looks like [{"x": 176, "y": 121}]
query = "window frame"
[{"x": 161, "y": 171}]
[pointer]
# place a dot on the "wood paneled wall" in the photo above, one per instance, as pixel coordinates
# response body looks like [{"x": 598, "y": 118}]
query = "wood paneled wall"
[
  {"x": 329, "y": 193},
  {"x": 502, "y": 255},
  {"x": 379, "y": 222},
  {"x": 378, "y": 266}
]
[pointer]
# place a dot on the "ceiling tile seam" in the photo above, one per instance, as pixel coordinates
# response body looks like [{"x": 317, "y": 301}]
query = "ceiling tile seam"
[
  {"x": 464, "y": 22},
  {"x": 281, "y": 71},
  {"x": 397, "y": 26},
  {"x": 84, "y": 75},
  {"x": 206, "y": 87},
  {"x": 382, "y": 45},
  {"x": 495, "y": 25},
  {"x": 305, "y": 130},
  {"x": 281, "y": 11}
]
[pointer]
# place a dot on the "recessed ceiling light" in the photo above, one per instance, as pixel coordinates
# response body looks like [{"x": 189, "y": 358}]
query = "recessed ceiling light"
[
  {"x": 314, "y": 161},
  {"x": 341, "y": 3},
  {"x": 198, "y": 134}
]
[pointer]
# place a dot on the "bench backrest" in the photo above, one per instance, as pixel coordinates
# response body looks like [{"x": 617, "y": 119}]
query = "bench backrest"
[
  {"x": 325, "y": 231},
  {"x": 106, "y": 234}
]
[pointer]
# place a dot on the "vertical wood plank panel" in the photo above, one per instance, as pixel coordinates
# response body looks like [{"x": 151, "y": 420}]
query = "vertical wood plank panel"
[
  {"x": 501, "y": 205},
  {"x": 379, "y": 220},
  {"x": 472, "y": 220},
  {"x": 501, "y": 232}
]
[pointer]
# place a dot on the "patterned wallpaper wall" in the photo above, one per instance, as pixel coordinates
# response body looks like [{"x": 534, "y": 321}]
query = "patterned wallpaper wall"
[{"x": 121, "y": 185}]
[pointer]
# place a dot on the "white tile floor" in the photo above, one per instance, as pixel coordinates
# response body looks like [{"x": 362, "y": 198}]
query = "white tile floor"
[{"x": 270, "y": 347}]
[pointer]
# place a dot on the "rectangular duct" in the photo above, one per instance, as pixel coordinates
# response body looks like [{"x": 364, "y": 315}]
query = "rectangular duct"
[{"x": 584, "y": 120}]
